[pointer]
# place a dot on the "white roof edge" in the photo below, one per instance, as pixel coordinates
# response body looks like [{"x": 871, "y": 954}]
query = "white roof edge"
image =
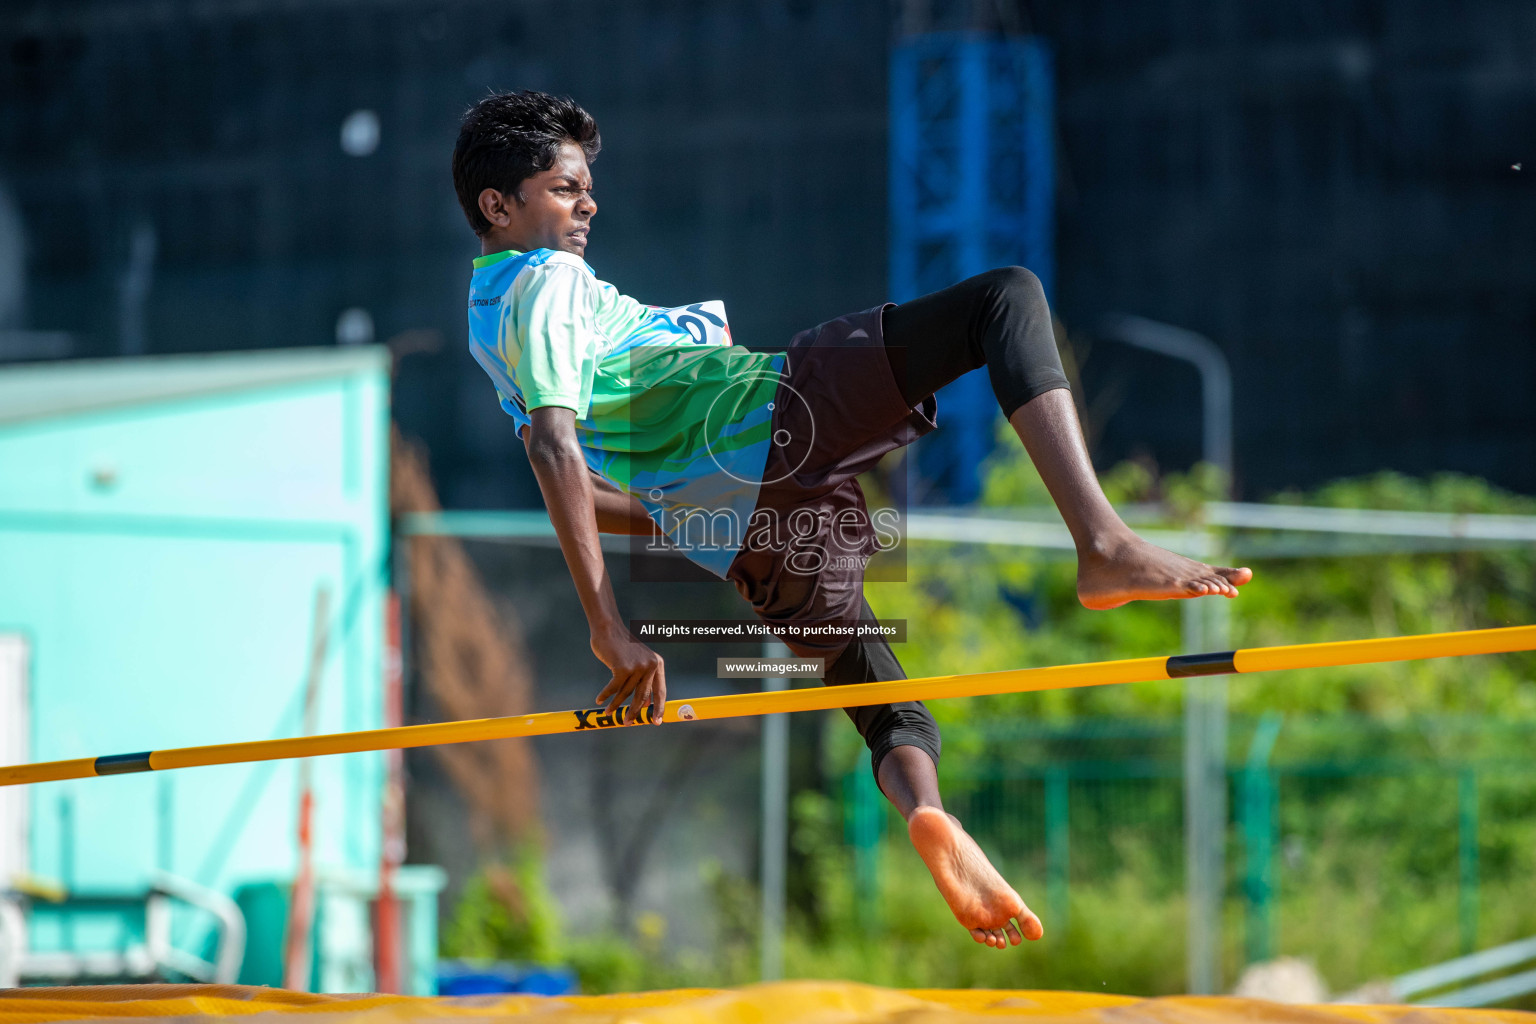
[{"x": 70, "y": 387}]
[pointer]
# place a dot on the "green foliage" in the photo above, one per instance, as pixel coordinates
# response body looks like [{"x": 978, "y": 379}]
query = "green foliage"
[
  {"x": 1367, "y": 905},
  {"x": 1117, "y": 938},
  {"x": 1367, "y": 867},
  {"x": 977, "y": 609},
  {"x": 1301, "y": 600},
  {"x": 1368, "y": 881},
  {"x": 506, "y": 912},
  {"x": 816, "y": 838},
  {"x": 611, "y": 963}
]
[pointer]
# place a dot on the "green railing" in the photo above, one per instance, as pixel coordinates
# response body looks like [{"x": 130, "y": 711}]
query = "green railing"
[{"x": 1056, "y": 811}]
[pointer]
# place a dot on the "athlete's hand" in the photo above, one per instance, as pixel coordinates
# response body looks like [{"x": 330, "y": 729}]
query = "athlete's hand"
[{"x": 638, "y": 674}]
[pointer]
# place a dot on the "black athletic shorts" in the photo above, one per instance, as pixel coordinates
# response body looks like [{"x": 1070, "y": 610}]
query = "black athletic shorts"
[{"x": 838, "y": 411}]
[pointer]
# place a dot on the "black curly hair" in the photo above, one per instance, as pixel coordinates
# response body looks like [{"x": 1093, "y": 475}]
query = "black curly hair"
[{"x": 508, "y": 138}]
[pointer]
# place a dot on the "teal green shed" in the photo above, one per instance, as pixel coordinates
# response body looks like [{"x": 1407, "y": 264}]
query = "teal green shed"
[{"x": 165, "y": 526}]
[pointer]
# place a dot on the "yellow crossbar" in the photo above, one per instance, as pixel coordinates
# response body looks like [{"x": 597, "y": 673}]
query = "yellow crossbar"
[{"x": 1060, "y": 677}]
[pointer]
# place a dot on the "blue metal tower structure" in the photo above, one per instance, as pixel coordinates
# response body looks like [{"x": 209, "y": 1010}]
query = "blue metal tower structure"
[{"x": 972, "y": 187}]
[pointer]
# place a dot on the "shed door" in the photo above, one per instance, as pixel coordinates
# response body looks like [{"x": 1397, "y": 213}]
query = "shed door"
[{"x": 15, "y": 723}]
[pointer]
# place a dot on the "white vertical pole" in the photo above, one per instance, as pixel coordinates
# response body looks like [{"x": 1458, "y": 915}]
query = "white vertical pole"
[
  {"x": 1205, "y": 794},
  {"x": 1205, "y": 630},
  {"x": 1197, "y": 943},
  {"x": 15, "y": 728},
  {"x": 775, "y": 830}
]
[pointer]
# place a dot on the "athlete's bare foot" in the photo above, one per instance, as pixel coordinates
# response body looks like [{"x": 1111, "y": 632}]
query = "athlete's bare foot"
[
  {"x": 977, "y": 894},
  {"x": 1130, "y": 569}
]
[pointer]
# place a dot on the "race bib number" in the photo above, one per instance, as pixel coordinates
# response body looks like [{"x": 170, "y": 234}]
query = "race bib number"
[{"x": 703, "y": 322}]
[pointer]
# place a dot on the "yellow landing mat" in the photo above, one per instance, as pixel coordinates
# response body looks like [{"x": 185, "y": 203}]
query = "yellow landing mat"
[{"x": 801, "y": 1002}]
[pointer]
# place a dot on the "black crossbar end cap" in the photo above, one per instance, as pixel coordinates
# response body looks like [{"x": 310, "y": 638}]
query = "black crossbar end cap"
[
  {"x": 1220, "y": 663},
  {"x": 123, "y": 764}
]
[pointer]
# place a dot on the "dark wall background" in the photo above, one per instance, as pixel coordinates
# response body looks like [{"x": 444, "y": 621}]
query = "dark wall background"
[
  {"x": 1327, "y": 189},
  {"x": 1324, "y": 187}
]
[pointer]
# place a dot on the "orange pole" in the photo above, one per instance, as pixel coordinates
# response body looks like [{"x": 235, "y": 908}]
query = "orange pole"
[
  {"x": 387, "y": 947},
  {"x": 1028, "y": 680}
]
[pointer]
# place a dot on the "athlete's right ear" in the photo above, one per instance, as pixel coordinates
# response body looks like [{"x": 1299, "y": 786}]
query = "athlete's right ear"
[{"x": 496, "y": 206}]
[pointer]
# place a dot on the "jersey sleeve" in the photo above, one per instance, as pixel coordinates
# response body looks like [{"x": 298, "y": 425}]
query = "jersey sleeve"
[{"x": 555, "y": 335}]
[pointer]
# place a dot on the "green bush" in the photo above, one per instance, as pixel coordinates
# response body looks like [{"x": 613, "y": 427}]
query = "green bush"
[
  {"x": 506, "y": 912},
  {"x": 1367, "y": 875}
]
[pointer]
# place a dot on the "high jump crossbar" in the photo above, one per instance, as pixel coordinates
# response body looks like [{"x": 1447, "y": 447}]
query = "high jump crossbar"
[{"x": 1059, "y": 677}]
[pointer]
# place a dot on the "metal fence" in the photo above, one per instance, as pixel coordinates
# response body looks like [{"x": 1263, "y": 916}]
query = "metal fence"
[{"x": 1424, "y": 810}]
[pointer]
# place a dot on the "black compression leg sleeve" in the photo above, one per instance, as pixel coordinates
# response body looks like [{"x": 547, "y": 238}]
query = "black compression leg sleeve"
[
  {"x": 883, "y": 726},
  {"x": 999, "y": 320}
]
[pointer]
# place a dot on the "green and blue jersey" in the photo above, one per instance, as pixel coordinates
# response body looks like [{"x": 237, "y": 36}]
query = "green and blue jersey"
[{"x": 667, "y": 409}]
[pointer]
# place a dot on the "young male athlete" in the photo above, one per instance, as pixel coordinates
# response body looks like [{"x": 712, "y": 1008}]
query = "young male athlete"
[{"x": 643, "y": 420}]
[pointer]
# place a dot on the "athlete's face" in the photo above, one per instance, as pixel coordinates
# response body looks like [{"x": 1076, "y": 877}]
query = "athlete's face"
[{"x": 551, "y": 210}]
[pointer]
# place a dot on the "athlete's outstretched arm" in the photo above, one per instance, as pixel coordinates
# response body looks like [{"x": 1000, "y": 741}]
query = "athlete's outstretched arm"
[
  {"x": 616, "y": 511},
  {"x": 638, "y": 673}
]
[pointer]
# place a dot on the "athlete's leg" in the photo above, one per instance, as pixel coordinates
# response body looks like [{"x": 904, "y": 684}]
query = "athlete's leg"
[
  {"x": 1000, "y": 320},
  {"x": 904, "y": 743},
  {"x": 909, "y": 779},
  {"x": 1114, "y": 566}
]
